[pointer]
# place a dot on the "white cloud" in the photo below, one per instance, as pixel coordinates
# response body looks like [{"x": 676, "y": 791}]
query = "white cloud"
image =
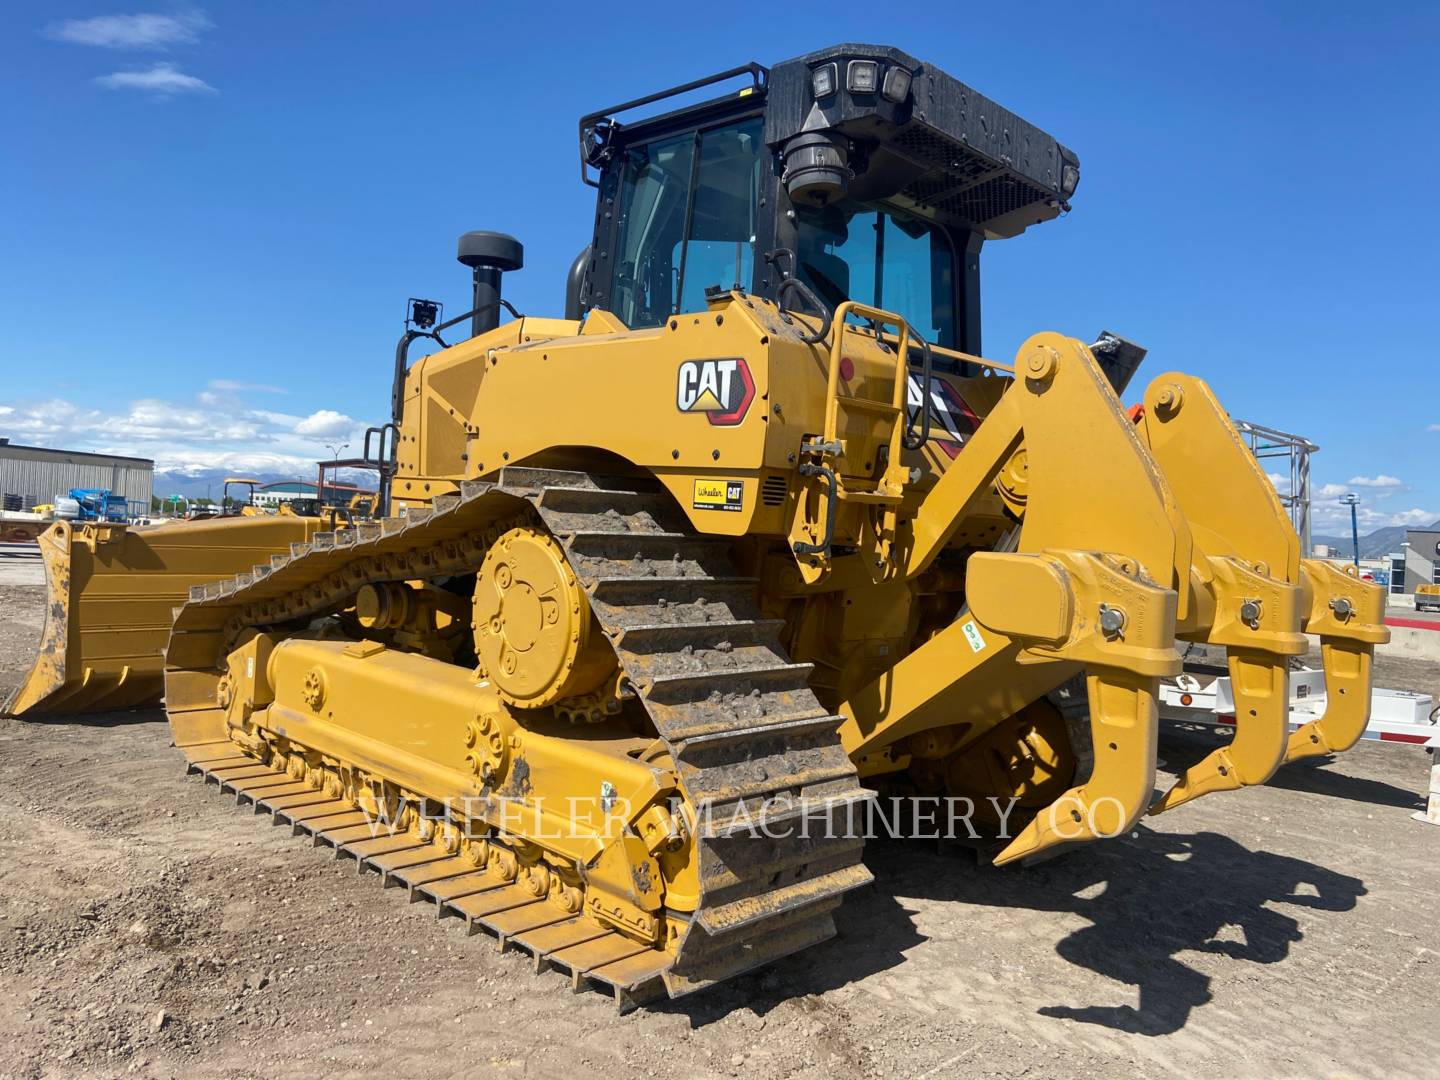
[
  {"x": 232, "y": 386},
  {"x": 215, "y": 434},
  {"x": 199, "y": 463},
  {"x": 1414, "y": 517},
  {"x": 143, "y": 31},
  {"x": 1381, "y": 481},
  {"x": 163, "y": 80},
  {"x": 325, "y": 424},
  {"x": 1375, "y": 488},
  {"x": 1333, "y": 519}
]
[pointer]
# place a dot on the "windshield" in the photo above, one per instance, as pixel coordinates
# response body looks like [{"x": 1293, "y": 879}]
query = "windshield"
[
  {"x": 849, "y": 251},
  {"x": 687, "y": 220}
]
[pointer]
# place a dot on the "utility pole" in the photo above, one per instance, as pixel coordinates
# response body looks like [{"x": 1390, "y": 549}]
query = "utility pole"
[
  {"x": 1352, "y": 500},
  {"x": 320, "y": 494}
]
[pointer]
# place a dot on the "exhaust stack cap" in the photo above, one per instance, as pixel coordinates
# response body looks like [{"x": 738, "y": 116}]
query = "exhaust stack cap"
[{"x": 490, "y": 250}]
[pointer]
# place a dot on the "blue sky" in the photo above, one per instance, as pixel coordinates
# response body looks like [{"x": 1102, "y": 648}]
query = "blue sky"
[{"x": 214, "y": 214}]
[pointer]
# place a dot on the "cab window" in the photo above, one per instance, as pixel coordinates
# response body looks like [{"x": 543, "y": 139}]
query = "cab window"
[
  {"x": 880, "y": 257},
  {"x": 686, "y": 220}
]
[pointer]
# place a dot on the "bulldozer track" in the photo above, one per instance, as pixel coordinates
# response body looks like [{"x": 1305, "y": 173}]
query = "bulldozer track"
[
  {"x": 577, "y": 946},
  {"x": 758, "y": 757}
]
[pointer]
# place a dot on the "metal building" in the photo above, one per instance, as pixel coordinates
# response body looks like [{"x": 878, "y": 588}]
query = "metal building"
[
  {"x": 284, "y": 491},
  {"x": 1420, "y": 561},
  {"x": 37, "y": 474}
]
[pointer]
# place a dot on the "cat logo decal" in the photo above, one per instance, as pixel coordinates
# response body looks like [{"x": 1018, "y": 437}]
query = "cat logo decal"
[{"x": 721, "y": 389}]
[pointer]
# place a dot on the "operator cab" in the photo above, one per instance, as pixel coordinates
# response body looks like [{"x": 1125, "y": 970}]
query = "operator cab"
[{"x": 857, "y": 169}]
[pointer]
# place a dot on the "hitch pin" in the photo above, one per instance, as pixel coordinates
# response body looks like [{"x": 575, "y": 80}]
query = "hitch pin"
[{"x": 1112, "y": 621}]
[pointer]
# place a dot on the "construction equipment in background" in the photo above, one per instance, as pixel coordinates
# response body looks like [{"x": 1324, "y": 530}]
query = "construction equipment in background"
[
  {"x": 362, "y": 506},
  {"x": 378, "y": 458},
  {"x": 24, "y": 526},
  {"x": 93, "y": 504},
  {"x": 232, "y": 505},
  {"x": 668, "y": 586},
  {"x": 334, "y": 517},
  {"x": 81, "y": 504}
]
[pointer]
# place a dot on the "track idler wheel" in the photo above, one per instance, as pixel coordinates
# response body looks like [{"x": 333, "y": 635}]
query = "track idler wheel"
[{"x": 534, "y": 633}]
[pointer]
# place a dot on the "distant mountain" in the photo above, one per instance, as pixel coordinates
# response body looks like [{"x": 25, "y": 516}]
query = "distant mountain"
[
  {"x": 208, "y": 483},
  {"x": 1375, "y": 545},
  {"x": 202, "y": 483}
]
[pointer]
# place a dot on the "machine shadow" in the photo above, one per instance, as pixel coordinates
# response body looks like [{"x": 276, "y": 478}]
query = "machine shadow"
[
  {"x": 1183, "y": 747},
  {"x": 118, "y": 718},
  {"x": 1163, "y": 895},
  {"x": 1311, "y": 776},
  {"x": 1148, "y": 898}
]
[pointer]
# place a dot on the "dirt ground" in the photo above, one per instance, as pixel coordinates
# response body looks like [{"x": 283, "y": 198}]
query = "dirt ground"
[{"x": 148, "y": 928}]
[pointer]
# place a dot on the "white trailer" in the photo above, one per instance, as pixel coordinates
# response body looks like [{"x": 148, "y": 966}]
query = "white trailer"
[{"x": 1396, "y": 716}]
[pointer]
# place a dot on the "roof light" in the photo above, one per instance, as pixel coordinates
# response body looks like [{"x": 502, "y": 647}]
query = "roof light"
[
  {"x": 1069, "y": 180},
  {"x": 862, "y": 76},
  {"x": 824, "y": 80},
  {"x": 897, "y": 85},
  {"x": 424, "y": 313}
]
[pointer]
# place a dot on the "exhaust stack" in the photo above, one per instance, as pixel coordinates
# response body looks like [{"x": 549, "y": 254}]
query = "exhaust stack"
[{"x": 488, "y": 254}]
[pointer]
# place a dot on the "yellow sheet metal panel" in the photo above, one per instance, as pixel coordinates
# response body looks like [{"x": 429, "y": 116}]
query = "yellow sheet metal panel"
[
  {"x": 538, "y": 775},
  {"x": 1230, "y": 503}
]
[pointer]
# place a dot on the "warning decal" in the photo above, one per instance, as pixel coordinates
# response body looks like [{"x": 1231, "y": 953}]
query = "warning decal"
[
  {"x": 972, "y": 635},
  {"x": 952, "y": 421}
]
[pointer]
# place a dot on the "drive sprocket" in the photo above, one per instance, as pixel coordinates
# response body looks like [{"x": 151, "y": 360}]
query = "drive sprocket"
[{"x": 535, "y": 636}]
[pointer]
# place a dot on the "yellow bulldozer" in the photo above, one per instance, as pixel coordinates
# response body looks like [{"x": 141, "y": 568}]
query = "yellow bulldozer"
[{"x": 661, "y": 593}]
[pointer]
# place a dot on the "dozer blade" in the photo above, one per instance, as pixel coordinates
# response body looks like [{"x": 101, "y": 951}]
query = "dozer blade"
[
  {"x": 110, "y": 594},
  {"x": 1349, "y": 616}
]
